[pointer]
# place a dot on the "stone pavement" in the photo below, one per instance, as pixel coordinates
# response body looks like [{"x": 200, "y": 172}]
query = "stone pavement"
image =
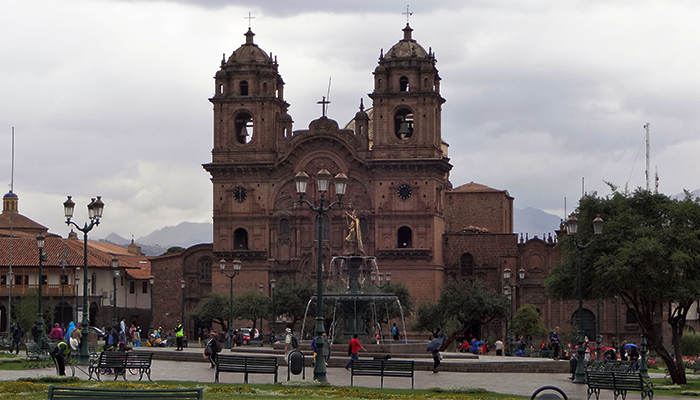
[{"x": 523, "y": 384}]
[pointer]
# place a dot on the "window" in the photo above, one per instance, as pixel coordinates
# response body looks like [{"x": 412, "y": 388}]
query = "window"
[
  {"x": 132, "y": 287},
  {"x": 93, "y": 284},
  {"x": 21, "y": 279},
  {"x": 403, "y": 84},
  {"x": 244, "y": 88},
  {"x": 284, "y": 226},
  {"x": 466, "y": 264},
  {"x": 364, "y": 228},
  {"x": 631, "y": 316},
  {"x": 326, "y": 227},
  {"x": 144, "y": 287},
  {"x": 265, "y": 87},
  {"x": 404, "y": 238},
  {"x": 44, "y": 279},
  {"x": 205, "y": 270},
  {"x": 240, "y": 239},
  {"x": 64, "y": 279},
  {"x": 403, "y": 123},
  {"x": 244, "y": 128},
  {"x": 3, "y": 280}
]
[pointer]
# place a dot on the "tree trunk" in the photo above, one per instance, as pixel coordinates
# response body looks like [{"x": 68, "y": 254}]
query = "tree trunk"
[{"x": 453, "y": 337}]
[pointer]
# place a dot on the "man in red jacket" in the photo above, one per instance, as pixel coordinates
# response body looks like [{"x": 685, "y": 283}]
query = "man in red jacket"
[{"x": 355, "y": 347}]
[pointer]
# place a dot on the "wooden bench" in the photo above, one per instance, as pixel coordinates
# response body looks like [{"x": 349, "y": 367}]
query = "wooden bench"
[
  {"x": 141, "y": 362},
  {"x": 109, "y": 362},
  {"x": 619, "y": 383},
  {"x": 56, "y": 392},
  {"x": 36, "y": 357},
  {"x": 246, "y": 365},
  {"x": 382, "y": 368}
]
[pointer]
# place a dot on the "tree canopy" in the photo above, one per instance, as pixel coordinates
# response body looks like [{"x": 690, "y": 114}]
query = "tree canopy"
[
  {"x": 291, "y": 298},
  {"x": 429, "y": 318},
  {"x": 470, "y": 303},
  {"x": 528, "y": 322},
  {"x": 648, "y": 255}
]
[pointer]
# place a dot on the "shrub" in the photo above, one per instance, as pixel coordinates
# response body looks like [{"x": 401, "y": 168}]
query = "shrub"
[{"x": 690, "y": 343}]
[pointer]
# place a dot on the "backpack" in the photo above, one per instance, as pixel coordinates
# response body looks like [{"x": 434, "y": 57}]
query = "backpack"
[
  {"x": 395, "y": 331},
  {"x": 295, "y": 342}
]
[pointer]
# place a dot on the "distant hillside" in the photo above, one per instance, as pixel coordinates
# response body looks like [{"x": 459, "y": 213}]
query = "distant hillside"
[
  {"x": 534, "y": 222},
  {"x": 157, "y": 242},
  {"x": 185, "y": 235}
]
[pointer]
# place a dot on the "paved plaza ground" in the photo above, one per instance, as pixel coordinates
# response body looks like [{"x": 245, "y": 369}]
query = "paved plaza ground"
[{"x": 502, "y": 382}]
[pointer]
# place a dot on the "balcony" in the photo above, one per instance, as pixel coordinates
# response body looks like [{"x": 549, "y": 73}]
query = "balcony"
[{"x": 46, "y": 290}]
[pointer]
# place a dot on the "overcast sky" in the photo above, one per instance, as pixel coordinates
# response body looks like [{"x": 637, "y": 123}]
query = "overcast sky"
[{"x": 110, "y": 98}]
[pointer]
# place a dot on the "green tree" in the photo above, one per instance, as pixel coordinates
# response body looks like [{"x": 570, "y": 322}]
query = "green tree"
[
  {"x": 25, "y": 309},
  {"x": 291, "y": 298},
  {"x": 470, "y": 303},
  {"x": 215, "y": 308},
  {"x": 528, "y": 322},
  {"x": 429, "y": 318},
  {"x": 391, "y": 310},
  {"x": 648, "y": 255},
  {"x": 252, "y": 305}
]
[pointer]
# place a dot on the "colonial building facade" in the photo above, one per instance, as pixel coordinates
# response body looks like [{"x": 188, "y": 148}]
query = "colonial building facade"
[{"x": 419, "y": 227}]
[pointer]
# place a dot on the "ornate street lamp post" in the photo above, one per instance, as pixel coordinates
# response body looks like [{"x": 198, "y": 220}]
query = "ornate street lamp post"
[
  {"x": 323, "y": 177},
  {"x": 151, "y": 327},
  {"x": 95, "y": 209},
  {"x": 571, "y": 230},
  {"x": 40, "y": 314},
  {"x": 274, "y": 315},
  {"x": 182, "y": 311},
  {"x": 236, "y": 270},
  {"x": 511, "y": 296},
  {"x": 115, "y": 267}
]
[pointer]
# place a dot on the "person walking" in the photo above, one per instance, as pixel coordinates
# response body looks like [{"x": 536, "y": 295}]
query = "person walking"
[
  {"x": 395, "y": 332},
  {"x": 554, "y": 340},
  {"x": 17, "y": 334},
  {"x": 499, "y": 347},
  {"x": 56, "y": 332},
  {"x": 75, "y": 336},
  {"x": 354, "y": 348},
  {"x": 212, "y": 349},
  {"x": 179, "y": 336}
]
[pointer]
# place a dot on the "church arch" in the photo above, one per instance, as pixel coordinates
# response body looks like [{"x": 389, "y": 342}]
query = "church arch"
[
  {"x": 403, "y": 84},
  {"x": 466, "y": 264},
  {"x": 589, "y": 323},
  {"x": 244, "y": 88},
  {"x": 403, "y": 123},
  {"x": 404, "y": 238},
  {"x": 244, "y": 127},
  {"x": 240, "y": 239}
]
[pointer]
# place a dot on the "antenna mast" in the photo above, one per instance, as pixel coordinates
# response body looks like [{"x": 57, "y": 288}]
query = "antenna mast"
[{"x": 646, "y": 128}]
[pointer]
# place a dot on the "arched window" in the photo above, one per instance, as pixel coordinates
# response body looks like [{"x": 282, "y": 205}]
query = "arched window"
[
  {"x": 240, "y": 239},
  {"x": 244, "y": 128},
  {"x": 244, "y": 88},
  {"x": 205, "y": 270},
  {"x": 326, "y": 227},
  {"x": 404, "y": 238},
  {"x": 403, "y": 123},
  {"x": 265, "y": 87},
  {"x": 403, "y": 84},
  {"x": 466, "y": 264},
  {"x": 284, "y": 226}
]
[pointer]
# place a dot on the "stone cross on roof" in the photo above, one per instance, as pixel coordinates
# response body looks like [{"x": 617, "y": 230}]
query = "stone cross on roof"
[
  {"x": 249, "y": 18},
  {"x": 323, "y": 104},
  {"x": 407, "y": 14}
]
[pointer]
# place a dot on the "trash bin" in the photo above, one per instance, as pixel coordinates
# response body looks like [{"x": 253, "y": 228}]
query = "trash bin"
[{"x": 295, "y": 364}]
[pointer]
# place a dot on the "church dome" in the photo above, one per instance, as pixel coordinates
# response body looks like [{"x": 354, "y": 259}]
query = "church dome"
[
  {"x": 249, "y": 52},
  {"x": 407, "y": 47}
]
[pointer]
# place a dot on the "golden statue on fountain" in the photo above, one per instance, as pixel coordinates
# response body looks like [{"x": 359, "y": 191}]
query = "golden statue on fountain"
[{"x": 353, "y": 241}]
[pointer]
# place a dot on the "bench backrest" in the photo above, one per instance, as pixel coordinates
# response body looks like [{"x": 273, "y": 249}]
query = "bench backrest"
[
  {"x": 250, "y": 363},
  {"x": 614, "y": 380},
  {"x": 379, "y": 365},
  {"x": 139, "y": 358},
  {"x": 110, "y": 359},
  {"x": 56, "y": 392}
]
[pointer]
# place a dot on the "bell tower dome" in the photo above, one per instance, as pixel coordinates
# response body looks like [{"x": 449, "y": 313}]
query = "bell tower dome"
[
  {"x": 407, "y": 102},
  {"x": 250, "y": 113}
]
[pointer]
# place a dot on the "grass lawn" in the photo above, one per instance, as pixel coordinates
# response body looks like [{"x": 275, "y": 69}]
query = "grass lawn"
[{"x": 38, "y": 389}]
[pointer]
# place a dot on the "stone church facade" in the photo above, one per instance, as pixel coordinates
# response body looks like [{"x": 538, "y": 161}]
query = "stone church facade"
[{"x": 419, "y": 227}]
